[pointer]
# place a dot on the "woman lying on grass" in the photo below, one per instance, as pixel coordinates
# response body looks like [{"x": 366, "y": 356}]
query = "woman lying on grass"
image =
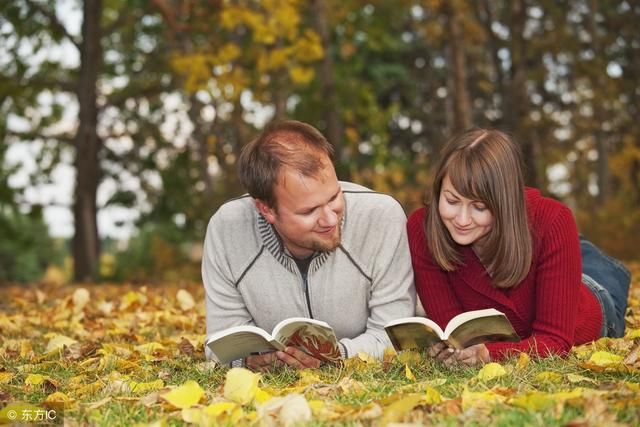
[{"x": 486, "y": 241}]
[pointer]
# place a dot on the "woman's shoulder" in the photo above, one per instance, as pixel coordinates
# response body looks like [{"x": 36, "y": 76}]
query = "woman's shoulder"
[
  {"x": 543, "y": 210},
  {"x": 417, "y": 217}
]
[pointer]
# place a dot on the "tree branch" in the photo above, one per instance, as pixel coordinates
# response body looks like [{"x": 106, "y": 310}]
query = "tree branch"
[{"x": 54, "y": 21}]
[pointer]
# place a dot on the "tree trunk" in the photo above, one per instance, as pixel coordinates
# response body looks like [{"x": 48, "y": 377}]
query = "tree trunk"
[
  {"x": 86, "y": 244},
  {"x": 516, "y": 106},
  {"x": 458, "y": 66},
  {"x": 327, "y": 81},
  {"x": 599, "y": 113}
]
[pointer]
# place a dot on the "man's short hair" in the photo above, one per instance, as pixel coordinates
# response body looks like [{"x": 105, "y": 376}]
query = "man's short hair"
[{"x": 289, "y": 143}]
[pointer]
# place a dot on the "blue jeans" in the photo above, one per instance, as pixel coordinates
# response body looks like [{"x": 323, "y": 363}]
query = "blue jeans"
[{"x": 609, "y": 281}]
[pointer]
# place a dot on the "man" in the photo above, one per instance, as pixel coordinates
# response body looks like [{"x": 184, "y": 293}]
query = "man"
[{"x": 302, "y": 244}]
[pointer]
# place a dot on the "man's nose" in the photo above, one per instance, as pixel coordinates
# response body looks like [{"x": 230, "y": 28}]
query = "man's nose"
[{"x": 328, "y": 218}]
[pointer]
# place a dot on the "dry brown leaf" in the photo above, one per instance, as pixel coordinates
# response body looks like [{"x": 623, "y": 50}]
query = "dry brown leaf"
[{"x": 186, "y": 347}]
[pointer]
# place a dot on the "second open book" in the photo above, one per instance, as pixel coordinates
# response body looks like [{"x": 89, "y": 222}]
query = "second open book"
[{"x": 464, "y": 330}]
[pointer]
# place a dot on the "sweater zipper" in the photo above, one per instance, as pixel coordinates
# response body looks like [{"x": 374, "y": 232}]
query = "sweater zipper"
[{"x": 305, "y": 287}]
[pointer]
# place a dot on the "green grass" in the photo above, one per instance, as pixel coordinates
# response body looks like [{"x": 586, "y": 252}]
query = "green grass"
[{"x": 346, "y": 392}]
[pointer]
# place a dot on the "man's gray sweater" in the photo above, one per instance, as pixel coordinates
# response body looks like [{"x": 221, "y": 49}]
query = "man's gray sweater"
[{"x": 251, "y": 279}]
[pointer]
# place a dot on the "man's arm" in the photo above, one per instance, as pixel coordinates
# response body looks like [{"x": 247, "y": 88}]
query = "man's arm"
[
  {"x": 224, "y": 304},
  {"x": 392, "y": 290}
]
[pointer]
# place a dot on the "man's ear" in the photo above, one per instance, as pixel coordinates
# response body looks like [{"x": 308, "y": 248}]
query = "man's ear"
[{"x": 267, "y": 212}]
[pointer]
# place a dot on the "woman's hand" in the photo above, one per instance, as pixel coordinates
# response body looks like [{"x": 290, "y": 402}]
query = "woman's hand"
[
  {"x": 291, "y": 357},
  {"x": 470, "y": 356},
  {"x": 475, "y": 355}
]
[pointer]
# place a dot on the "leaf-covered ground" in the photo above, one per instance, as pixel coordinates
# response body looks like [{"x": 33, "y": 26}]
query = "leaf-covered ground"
[{"x": 125, "y": 355}]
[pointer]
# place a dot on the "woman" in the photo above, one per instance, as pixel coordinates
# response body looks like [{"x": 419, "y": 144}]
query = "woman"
[{"x": 486, "y": 241}]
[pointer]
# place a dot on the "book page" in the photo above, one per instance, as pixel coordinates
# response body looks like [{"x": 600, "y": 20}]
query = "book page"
[
  {"x": 415, "y": 332},
  {"x": 481, "y": 330},
  {"x": 241, "y": 341},
  {"x": 313, "y": 336}
]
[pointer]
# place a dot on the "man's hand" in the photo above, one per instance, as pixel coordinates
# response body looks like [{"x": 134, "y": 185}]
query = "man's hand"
[
  {"x": 263, "y": 362},
  {"x": 474, "y": 355},
  {"x": 291, "y": 357},
  {"x": 298, "y": 359}
]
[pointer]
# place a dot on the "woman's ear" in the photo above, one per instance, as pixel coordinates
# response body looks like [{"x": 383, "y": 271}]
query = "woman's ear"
[{"x": 268, "y": 213}]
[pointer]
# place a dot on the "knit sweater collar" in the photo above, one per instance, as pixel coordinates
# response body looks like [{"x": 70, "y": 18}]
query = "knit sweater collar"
[{"x": 273, "y": 243}]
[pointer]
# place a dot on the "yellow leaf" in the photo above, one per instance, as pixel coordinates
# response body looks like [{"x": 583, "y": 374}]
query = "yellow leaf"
[
  {"x": 398, "y": 409},
  {"x": 484, "y": 400},
  {"x": 308, "y": 377},
  {"x": 432, "y": 396},
  {"x": 534, "y": 401},
  {"x": 139, "y": 388},
  {"x": 408, "y": 373},
  {"x": 301, "y": 75},
  {"x": 490, "y": 371},
  {"x": 6, "y": 377},
  {"x": 289, "y": 410},
  {"x": 241, "y": 385},
  {"x": 574, "y": 378},
  {"x": 62, "y": 398},
  {"x": 367, "y": 358},
  {"x": 262, "y": 396},
  {"x": 316, "y": 406},
  {"x": 149, "y": 348},
  {"x": 604, "y": 358},
  {"x": 185, "y": 300},
  {"x": 632, "y": 334},
  {"x": 523, "y": 361},
  {"x": 185, "y": 396},
  {"x": 59, "y": 341},
  {"x": 34, "y": 379},
  {"x": 548, "y": 377},
  {"x": 80, "y": 299},
  {"x": 219, "y": 408}
]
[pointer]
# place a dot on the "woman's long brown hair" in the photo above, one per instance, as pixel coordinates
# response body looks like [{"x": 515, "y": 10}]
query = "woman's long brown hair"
[{"x": 484, "y": 165}]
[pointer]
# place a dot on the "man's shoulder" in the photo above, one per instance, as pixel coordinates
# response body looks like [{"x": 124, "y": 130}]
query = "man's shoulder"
[
  {"x": 368, "y": 198},
  {"x": 236, "y": 211}
]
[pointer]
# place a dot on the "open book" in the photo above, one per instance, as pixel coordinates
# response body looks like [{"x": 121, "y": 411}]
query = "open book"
[
  {"x": 312, "y": 336},
  {"x": 464, "y": 330}
]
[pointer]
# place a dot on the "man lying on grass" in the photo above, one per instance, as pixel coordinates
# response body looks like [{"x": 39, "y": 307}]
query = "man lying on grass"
[{"x": 303, "y": 244}]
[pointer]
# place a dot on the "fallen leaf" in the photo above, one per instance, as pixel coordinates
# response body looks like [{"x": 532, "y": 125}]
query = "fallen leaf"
[
  {"x": 399, "y": 409},
  {"x": 633, "y": 355},
  {"x": 523, "y": 361},
  {"x": 408, "y": 373},
  {"x": 59, "y": 341},
  {"x": 185, "y": 300},
  {"x": 80, "y": 299},
  {"x": 604, "y": 358},
  {"x": 6, "y": 377},
  {"x": 574, "y": 378},
  {"x": 184, "y": 396},
  {"x": 241, "y": 385},
  {"x": 490, "y": 371},
  {"x": 548, "y": 377},
  {"x": 289, "y": 410},
  {"x": 186, "y": 347}
]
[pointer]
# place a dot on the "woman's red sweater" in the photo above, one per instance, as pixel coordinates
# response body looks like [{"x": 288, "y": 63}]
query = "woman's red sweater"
[{"x": 551, "y": 309}]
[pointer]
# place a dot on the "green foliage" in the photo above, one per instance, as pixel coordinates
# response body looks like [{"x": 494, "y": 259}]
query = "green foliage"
[
  {"x": 157, "y": 253},
  {"x": 25, "y": 247}
]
